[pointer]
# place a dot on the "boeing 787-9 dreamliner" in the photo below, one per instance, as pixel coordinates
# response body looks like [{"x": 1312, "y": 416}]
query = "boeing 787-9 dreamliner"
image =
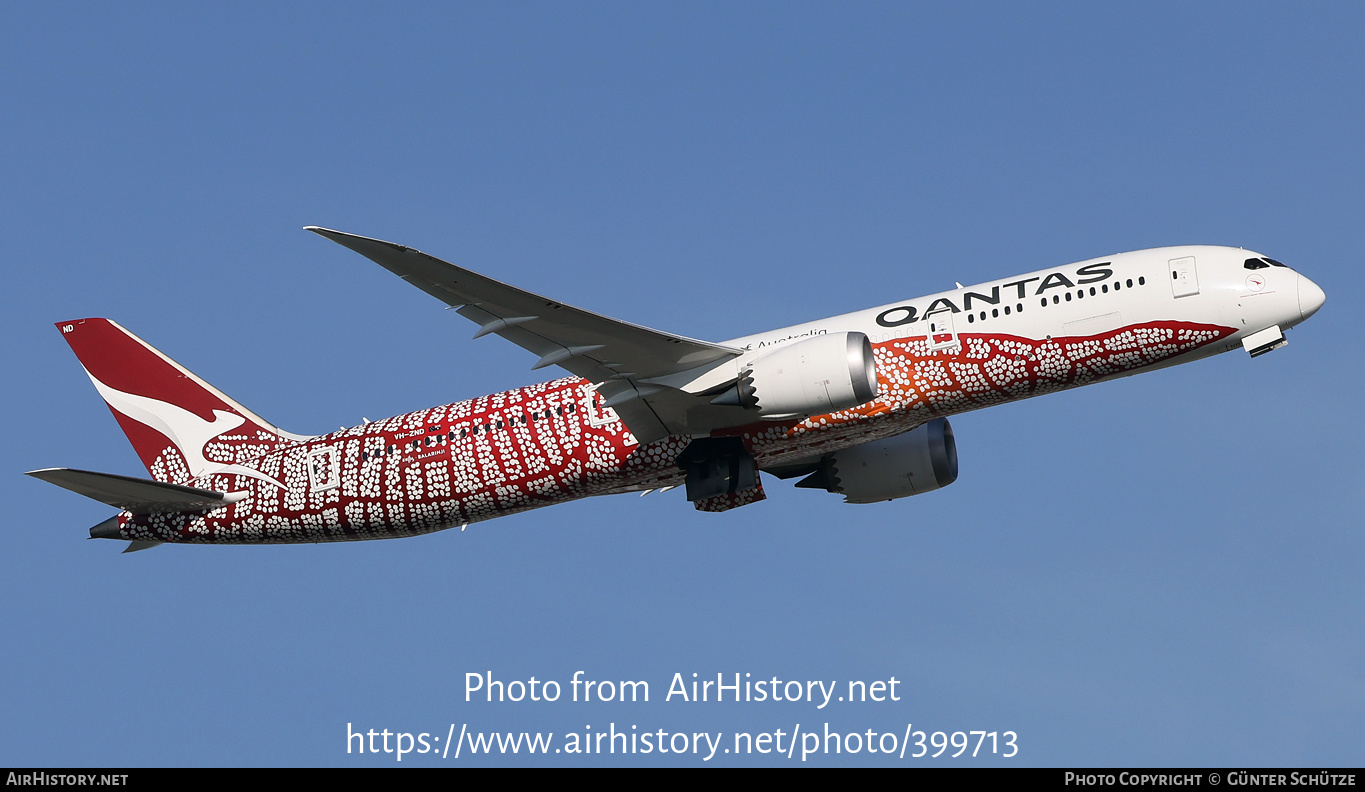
[{"x": 857, "y": 404}]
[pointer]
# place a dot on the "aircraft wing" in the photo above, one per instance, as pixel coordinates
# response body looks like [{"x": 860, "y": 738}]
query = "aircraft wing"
[{"x": 617, "y": 354}]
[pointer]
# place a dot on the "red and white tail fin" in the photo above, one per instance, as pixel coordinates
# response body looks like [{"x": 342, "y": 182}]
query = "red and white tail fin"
[{"x": 180, "y": 426}]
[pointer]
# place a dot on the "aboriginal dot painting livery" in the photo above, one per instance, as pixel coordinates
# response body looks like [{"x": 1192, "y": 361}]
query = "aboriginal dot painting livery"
[{"x": 855, "y": 405}]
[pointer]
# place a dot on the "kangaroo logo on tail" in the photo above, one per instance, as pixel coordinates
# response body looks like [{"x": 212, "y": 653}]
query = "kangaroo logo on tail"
[{"x": 180, "y": 426}]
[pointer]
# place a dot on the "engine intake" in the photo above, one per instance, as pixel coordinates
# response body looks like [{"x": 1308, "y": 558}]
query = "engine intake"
[{"x": 816, "y": 376}]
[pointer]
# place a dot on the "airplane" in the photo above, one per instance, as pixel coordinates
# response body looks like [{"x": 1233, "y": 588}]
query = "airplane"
[{"x": 856, "y": 405}]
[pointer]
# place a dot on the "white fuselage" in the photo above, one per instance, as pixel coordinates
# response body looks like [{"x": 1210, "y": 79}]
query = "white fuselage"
[{"x": 1081, "y": 299}]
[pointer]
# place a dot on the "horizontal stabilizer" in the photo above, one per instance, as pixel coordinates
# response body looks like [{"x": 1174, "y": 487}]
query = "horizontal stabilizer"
[
  {"x": 138, "y": 496},
  {"x": 135, "y": 546}
]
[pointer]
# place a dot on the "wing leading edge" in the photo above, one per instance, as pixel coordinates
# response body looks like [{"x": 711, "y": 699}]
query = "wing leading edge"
[{"x": 626, "y": 359}]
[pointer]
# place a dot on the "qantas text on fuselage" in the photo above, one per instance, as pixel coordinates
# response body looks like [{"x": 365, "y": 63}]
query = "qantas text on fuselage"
[{"x": 855, "y": 404}]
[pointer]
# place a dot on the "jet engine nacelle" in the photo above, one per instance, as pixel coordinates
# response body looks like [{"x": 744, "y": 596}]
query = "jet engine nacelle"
[
  {"x": 918, "y": 461},
  {"x": 816, "y": 376}
]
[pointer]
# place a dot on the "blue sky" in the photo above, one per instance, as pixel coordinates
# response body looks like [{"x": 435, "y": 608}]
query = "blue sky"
[{"x": 1158, "y": 571}]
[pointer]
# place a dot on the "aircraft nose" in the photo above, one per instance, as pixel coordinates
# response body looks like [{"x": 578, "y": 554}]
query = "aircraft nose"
[{"x": 1311, "y": 297}]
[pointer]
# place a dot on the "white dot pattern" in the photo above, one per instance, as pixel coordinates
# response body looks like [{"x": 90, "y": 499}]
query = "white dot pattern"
[{"x": 528, "y": 447}]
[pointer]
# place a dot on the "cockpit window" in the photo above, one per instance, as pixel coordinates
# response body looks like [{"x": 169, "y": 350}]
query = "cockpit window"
[
  {"x": 1272, "y": 262},
  {"x": 1255, "y": 263}
]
